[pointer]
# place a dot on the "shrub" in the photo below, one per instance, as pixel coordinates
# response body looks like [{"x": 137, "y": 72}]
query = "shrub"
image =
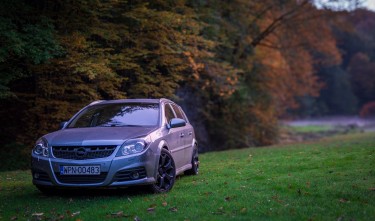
[{"x": 14, "y": 156}]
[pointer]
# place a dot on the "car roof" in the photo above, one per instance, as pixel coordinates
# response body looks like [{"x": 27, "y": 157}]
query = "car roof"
[{"x": 142, "y": 100}]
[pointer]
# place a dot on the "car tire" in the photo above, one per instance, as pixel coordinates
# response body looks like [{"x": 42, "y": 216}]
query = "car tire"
[
  {"x": 166, "y": 173},
  {"x": 194, "y": 163}
]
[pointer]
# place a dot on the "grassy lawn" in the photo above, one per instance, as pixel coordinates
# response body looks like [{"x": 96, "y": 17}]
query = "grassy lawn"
[
  {"x": 311, "y": 128},
  {"x": 333, "y": 179}
]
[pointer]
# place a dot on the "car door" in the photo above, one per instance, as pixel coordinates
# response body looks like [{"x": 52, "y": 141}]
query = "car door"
[
  {"x": 174, "y": 138},
  {"x": 187, "y": 134}
]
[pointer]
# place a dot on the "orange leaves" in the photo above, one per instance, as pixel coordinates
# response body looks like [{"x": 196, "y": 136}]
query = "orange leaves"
[
  {"x": 299, "y": 37},
  {"x": 196, "y": 67}
]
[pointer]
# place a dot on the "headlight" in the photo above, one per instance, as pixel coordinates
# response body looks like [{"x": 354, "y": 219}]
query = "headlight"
[
  {"x": 132, "y": 146},
  {"x": 41, "y": 147}
]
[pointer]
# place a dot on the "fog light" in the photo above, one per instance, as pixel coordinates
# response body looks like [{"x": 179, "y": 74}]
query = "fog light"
[
  {"x": 135, "y": 175},
  {"x": 36, "y": 175}
]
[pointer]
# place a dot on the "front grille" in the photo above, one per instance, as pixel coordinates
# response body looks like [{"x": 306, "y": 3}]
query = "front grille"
[
  {"x": 82, "y": 152},
  {"x": 81, "y": 179},
  {"x": 125, "y": 175}
]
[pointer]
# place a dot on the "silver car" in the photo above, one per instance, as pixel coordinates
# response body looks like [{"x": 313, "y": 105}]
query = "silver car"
[{"x": 118, "y": 143}]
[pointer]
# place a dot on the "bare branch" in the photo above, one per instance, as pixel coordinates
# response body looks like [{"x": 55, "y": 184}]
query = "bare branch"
[{"x": 276, "y": 23}]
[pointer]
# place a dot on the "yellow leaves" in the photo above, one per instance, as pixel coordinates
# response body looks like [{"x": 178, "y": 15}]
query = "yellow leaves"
[
  {"x": 196, "y": 67},
  {"x": 74, "y": 41},
  {"x": 93, "y": 68}
]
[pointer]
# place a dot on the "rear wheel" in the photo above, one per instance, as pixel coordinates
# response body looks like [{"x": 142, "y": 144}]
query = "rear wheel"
[
  {"x": 194, "y": 163},
  {"x": 166, "y": 173}
]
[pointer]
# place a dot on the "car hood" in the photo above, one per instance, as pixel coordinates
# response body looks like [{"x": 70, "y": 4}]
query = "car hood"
[{"x": 96, "y": 135}]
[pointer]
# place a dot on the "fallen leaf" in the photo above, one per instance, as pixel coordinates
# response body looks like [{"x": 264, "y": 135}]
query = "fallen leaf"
[
  {"x": 75, "y": 213},
  {"x": 227, "y": 198},
  {"x": 342, "y": 200},
  {"x": 164, "y": 203},
  {"x": 243, "y": 210},
  {"x": 136, "y": 218},
  {"x": 371, "y": 189},
  {"x": 208, "y": 193},
  {"x": 117, "y": 214},
  {"x": 130, "y": 200},
  {"x": 37, "y": 214},
  {"x": 151, "y": 209},
  {"x": 173, "y": 209},
  {"x": 276, "y": 198},
  {"x": 14, "y": 218}
]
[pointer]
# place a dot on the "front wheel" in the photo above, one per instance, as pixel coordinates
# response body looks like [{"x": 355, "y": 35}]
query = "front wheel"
[
  {"x": 194, "y": 163},
  {"x": 166, "y": 174}
]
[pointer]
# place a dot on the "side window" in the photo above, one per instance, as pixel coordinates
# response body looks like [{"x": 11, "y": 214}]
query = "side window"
[
  {"x": 184, "y": 115},
  {"x": 178, "y": 112},
  {"x": 168, "y": 113}
]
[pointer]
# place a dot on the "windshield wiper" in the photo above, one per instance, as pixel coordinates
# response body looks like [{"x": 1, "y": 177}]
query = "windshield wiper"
[
  {"x": 111, "y": 124},
  {"x": 118, "y": 124},
  {"x": 131, "y": 125}
]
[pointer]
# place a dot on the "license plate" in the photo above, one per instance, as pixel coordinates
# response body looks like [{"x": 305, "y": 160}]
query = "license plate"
[{"x": 79, "y": 170}]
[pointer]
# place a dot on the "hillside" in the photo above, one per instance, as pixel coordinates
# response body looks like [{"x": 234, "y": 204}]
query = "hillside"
[{"x": 333, "y": 179}]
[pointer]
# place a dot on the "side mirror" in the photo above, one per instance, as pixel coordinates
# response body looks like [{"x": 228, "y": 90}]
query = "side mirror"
[
  {"x": 62, "y": 125},
  {"x": 177, "y": 122}
]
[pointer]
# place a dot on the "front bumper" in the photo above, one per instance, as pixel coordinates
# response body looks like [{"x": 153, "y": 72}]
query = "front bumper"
[{"x": 138, "y": 169}]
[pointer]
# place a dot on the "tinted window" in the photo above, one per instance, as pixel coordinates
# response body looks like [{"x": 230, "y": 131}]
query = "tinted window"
[
  {"x": 177, "y": 111},
  {"x": 168, "y": 113},
  {"x": 118, "y": 115}
]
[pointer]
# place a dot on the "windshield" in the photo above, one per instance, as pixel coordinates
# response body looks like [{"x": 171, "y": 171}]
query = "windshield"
[{"x": 118, "y": 115}]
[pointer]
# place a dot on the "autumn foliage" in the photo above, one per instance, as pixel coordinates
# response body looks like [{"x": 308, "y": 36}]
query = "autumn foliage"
[{"x": 235, "y": 66}]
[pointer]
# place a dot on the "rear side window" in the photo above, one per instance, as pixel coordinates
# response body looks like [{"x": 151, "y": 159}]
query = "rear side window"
[
  {"x": 168, "y": 113},
  {"x": 178, "y": 112}
]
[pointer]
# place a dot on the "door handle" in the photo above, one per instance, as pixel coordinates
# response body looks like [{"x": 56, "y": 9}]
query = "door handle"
[{"x": 182, "y": 135}]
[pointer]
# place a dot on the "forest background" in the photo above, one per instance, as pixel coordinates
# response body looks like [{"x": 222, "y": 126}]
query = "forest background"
[{"x": 235, "y": 66}]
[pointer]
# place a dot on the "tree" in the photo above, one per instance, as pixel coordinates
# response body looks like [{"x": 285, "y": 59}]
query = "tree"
[
  {"x": 361, "y": 70},
  {"x": 24, "y": 42}
]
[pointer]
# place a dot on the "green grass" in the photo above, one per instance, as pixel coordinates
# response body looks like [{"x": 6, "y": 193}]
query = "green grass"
[
  {"x": 311, "y": 128},
  {"x": 333, "y": 179}
]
